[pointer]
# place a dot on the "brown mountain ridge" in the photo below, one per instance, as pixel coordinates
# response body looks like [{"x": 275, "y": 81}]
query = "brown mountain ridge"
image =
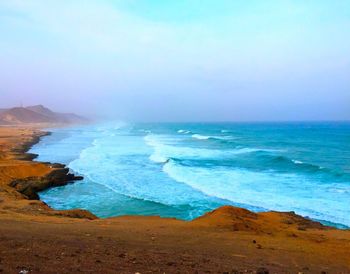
[{"x": 37, "y": 114}]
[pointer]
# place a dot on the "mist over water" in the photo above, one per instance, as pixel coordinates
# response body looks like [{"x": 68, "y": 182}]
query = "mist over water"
[
  {"x": 161, "y": 61},
  {"x": 183, "y": 170}
]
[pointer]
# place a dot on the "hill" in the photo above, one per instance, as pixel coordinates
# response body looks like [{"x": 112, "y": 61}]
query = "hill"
[{"x": 37, "y": 115}]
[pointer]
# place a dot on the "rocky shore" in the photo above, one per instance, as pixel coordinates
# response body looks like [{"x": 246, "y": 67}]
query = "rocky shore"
[
  {"x": 37, "y": 239},
  {"x": 30, "y": 186},
  {"x": 25, "y": 177}
]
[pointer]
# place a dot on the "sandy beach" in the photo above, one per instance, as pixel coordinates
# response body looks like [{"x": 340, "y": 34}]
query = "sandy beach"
[{"x": 38, "y": 239}]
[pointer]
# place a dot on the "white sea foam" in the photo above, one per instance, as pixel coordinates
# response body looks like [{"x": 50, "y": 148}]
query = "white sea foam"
[
  {"x": 183, "y": 131},
  {"x": 259, "y": 188},
  {"x": 164, "y": 151},
  {"x": 200, "y": 137},
  {"x": 206, "y": 137},
  {"x": 297, "y": 162},
  {"x": 158, "y": 158}
]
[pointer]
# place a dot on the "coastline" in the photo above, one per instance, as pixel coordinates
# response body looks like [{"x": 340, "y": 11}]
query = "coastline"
[
  {"x": 233, "y": 238},
  {"x": 40, "y": 175}
]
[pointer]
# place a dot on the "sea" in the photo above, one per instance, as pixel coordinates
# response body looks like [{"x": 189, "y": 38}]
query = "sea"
[{"x": 183, "y": 170}]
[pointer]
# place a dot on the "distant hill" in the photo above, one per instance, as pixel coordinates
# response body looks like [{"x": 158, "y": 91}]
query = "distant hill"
[
  {"x": 37, "y": 114},
  {"x": 42, "y": 110}
]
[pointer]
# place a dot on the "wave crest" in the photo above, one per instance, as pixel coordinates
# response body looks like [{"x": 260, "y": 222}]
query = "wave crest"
[
  {"x": 200, "y": 137},
  {"x": 212, "y": 137},
  {"x": 183, "y": 131}
]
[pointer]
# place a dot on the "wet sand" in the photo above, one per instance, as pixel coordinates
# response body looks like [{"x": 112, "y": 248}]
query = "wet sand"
[{"x": 36, "y": 238}]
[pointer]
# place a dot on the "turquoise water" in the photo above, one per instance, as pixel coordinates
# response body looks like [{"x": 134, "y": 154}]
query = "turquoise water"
[{"x": 184, "y": 170}]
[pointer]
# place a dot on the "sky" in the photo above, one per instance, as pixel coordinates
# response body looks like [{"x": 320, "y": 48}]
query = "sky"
[{"x": 178, "y": 60}]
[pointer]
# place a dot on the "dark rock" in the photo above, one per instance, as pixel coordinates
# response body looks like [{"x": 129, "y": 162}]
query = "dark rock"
[
  {"x": 262, "y": 270},
  {"x": 26, "y": 156},
  {"x": 30, "y": 186},
  {"x": 57, "y": 165},
  {"x": 302, "y": 223},
  {"x": 76, "y": 213}
]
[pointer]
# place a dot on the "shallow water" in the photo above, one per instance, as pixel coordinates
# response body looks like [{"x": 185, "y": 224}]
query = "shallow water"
[{"x": 184, "y": 170}]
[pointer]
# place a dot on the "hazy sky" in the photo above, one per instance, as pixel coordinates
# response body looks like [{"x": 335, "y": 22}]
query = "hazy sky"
[{"x": 178, "y": 60}]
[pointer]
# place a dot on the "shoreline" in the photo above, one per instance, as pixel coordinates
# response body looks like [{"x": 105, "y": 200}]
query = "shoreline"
[
  {"x": 225, "y": 240},
  {"x": 72, "y": 179},
  {"x": 50, "y": 175},
  {"x": 58, "y": 176}
]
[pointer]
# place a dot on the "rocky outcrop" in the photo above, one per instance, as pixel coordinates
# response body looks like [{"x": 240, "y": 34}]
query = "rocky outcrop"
[
  {"x": 30, "y": 186},
  {"x": 233, "y": 218},
  {"x": 75, "y": 213},
  {"x": 50, "y": 175},
  {"x": 240, "y": 219}
]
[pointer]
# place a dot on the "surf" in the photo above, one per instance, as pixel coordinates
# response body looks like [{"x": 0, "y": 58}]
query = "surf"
[{"x": 185, "y": 170}]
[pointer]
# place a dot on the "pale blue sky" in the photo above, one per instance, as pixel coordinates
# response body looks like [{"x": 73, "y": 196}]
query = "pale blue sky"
[{"x": 178, "y": 60}]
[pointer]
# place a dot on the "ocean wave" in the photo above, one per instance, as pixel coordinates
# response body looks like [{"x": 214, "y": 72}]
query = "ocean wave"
[
  {"x": 124, "y": 178},
  {"x": 127, "y": 194},
  {"x": 297, "y": 162},
  {"x": 339, "y": 189},
  {"x": 118, "y": 191},
  {"x": 206, "y": 137},
  {"x": 183, "y": 131},
  {"x": 269, "y": 190},
  {"x": 190, "y": 171},
  {"x": 222, "y": 183},
  {"x": 162, "y": 151},
  {"x": 145, "y": 131},
  {"x": 285, "y": 164},
  {"x": 154, "y": 140},
  {"x": 103, "y": 128},
  {"x": 313, "y": 166},
  {"x": 200, "y": 137},
  {"x": 155, "y": 157},
  {"x": 250, "y": 150}
]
